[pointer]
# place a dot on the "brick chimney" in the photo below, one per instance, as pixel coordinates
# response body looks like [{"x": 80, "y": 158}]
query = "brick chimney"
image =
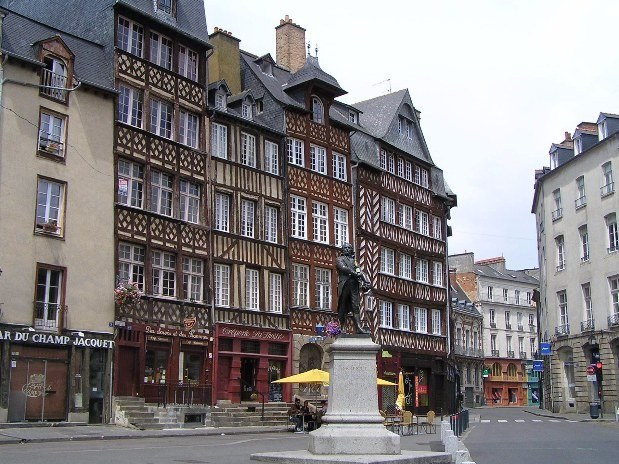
[
  {"x": 498, "y": 263},
  {"x": 225, "y": 64},
  {"x": 290, "y": 45}
]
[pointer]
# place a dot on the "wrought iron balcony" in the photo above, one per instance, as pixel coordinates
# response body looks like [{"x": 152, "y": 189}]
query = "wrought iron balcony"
[
  {"x": 580, "y": 202},
  {"x": 508, "y": 326},
  {"x": 49, "y": 317},
  {"x": 613, "y": 248},
  {"x": 562, "y": 330},
  {"x": 520, "y": 328},
  {"x": 587, "y": 325},
  {"x": 493, "y": 325},
  {"x": 523, "y": 355},
  {"x": 557, "y": 214},
  {"x": 561, "y": 266},
  {"x": 607, "y": 189},
  {"x": 531, "y": 327},
  {"x": 511, "y": 354},
  {"x": 613, "y": 319},
  {"x": 495, "y": 353}
]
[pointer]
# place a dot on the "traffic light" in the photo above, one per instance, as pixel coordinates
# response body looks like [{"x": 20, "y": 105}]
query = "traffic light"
[{"x": 598, "y": 371}]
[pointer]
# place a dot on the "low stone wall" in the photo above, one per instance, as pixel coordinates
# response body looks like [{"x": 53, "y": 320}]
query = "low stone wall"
[{"x": 459, "y": 452}]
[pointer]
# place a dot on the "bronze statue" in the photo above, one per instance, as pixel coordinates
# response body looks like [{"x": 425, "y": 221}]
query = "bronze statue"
[{"x": 350, "y": 282}]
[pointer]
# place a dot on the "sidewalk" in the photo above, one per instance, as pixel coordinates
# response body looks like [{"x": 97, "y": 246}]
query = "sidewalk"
[{"x": 62, "y": 432}]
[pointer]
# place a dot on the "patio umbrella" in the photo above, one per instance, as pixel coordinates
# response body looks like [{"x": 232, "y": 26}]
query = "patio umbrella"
[
  {"x": 384, "y": 383},
  {"x": 312, "y": 376},
  {"x": 399, "y": 402}
]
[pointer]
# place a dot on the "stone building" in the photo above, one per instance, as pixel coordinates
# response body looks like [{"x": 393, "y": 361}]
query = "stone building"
[{"x": 575, "y": 206}]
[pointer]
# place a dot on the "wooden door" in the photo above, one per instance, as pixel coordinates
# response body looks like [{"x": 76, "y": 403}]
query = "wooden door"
[
  {"x": 224, "y": 365},
  {"x": 127, "y": 373}
]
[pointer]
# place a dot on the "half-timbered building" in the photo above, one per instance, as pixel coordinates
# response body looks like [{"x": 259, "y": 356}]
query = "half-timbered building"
[
  {"x": 252, "y": 338},
  {"x": 402, "y": 207},
  {"x": 318, "y": 180},
  {"x": 162, "y": 226}
]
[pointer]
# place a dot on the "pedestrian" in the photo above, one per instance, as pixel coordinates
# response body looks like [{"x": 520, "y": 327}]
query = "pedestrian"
[{"x": 295, "y": 414}]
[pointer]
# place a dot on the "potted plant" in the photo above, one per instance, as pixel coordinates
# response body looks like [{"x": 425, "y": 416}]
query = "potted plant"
[
  {"x": 333, "y": 329},
  {"x": 50, "y": 226},
  {"x": 252, "y": 397},
  {"x": 127, "y": 294}
]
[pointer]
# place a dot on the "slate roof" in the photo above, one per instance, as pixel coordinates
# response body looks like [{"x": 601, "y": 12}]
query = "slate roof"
[
  {"x": 312, "y": 72},
  {"x": 461, "y": 303},
  {"x": 515, "y": 276},
  {"x": 379, "y": 112}
]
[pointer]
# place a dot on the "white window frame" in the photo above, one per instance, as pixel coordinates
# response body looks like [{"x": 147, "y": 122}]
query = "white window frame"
[
  {"x": 246, "y": 110},
  {"x": 49, "y": 295},
  {"x": 421, "y": 222},
  {"x": 320, "y": 222},
  {"x": 193, "y": 279},
  {"x": 386, "y": 313},
  {"x": 161, "y": 50},
  {"x": 437, "y": 273},
  {"x": 248, "y": 218},
  {"x": 50, "y": 206},
  {"x": 421, "y": 271},
  {"x": 505, "y": 295},
  {"x": 295, "y": 150},
  {"x": 404, "y": 317},
  {"x": 271, "y": 214},
  {"x": 405, "y": 216},
  {"x": 189, "y": 130},
  {"x": 318, "y": 112},
  {"x": 163, "y": 268},
  {"x": 161, "y": 193},
  {"x": 298, "y": 217},
  {"x": 408, "y": 171},
  {"x": 560, "y": 245},
  {"x": 608, "y": 185},
  {"x": 161, "y": 118},
  {"x": 322, "y": 290},
  {"x": 339, "y": 167},
  {"x": 613, "y": 232},
  {"x": 490, "y": 293},
  {"x": 52, "y": 133},
  {"x": 252, "y": 290},
  {"x": 130, "y": 36},
  {"x": 131, "y": 174},
  {"x": 248, "y": 149},
  {"x": 563, "y": 309},
  {"x": 275, "y": 293},
  {"x": 318, "y": 159},
  {"x": 383, "y": 159},
  {"x": 421, "y": 320},
  {"x": 131, "y": 264},
  {"x": 387, "y": 209},
  {"x": 188, "y": 63},
  {"x": 584, "y": 243},
  {"x": 437, "y": 227},
  {"x": 221, "y": 278},
  {"x": 387, "y": 261},
  {"x": 219, "y": 140},
  {"x": 222, "y": 212},
  {"x": 271, "y": 157},
  {"x": 406, "y": 266},
  {"x": 340, "y": 226},
  {"x": 581, "y": 197},
  {"x": 586, "y": 300},
  {"x": 517, "y": 297},
  {"x": 400, "y": 164},
  {"x": 436, "y": 323},
  {"x": 613, "y": 287},
  {"x": 300, "y": 285},
  {"x": 220, "y": 100},
  {"x": 130, "y": 106},
  {"x": 190, "y": 194}
]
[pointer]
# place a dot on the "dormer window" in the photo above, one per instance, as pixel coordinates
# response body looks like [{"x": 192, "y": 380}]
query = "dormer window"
[
  {"x": 54, "y": 78},
  {"x": 602, "y": 130},
  {"x": 259, "y": 106},
  {"x": 246, "y": 110},
  {"x": 554, "y": 160},
  {"x": 577, "y": 145},
  {"x": 317, "y": 111},
  {"x": 352, "y": 117},
  {"x": 165, "y": 6},
  {"x": 220, "y": 101}
]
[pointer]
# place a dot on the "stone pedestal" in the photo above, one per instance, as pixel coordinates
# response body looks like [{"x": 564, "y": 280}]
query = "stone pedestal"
[{"x": 353, "y": 424}]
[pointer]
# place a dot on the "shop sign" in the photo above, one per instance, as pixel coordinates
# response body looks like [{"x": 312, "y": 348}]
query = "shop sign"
[
  {"x": 253, "y": 334},
  {"x": 53, "y": 339},
  {"x": 175, "y": 333},
  {"x": 189, "y": 322}
]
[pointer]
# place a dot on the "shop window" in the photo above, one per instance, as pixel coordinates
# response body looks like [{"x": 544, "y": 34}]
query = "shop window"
[
  {"x": 225, "y": 344},
  {"x": 155, "y": 366},
  {"x": 191, "y": 364},
  {"x": 250, "y": 346},
  {"x": 278, "y": 349}
]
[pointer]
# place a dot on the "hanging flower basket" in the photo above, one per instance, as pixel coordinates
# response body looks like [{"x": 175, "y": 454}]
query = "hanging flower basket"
[
  {"x": 333, "y": 329},
  {"x": 127, "y": 294}
]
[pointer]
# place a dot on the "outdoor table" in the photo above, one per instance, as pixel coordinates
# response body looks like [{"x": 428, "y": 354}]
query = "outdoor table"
[{"x": 392, "y": 422}]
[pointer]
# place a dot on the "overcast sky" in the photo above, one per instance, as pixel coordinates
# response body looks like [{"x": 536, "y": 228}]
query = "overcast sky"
[{"x": 496, "y": 83}]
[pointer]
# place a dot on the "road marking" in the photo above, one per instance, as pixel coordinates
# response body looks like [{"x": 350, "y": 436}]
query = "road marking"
[
  {"x": 554, "y": 420},
  {"x": 519, "y": 420},
  {"x": 573, "y": 422},
  {"x": 536, "y": 420},
  {"x": 485, "y": 421},
  {"x": 501, "y": 420}
]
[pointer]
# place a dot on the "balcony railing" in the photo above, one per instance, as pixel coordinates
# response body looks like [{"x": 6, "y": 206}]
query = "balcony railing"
[
  {"x": 49, "y": 317},
  {"x": 493, "y": 325},
  {"x": 523, "y": 355},
  {"x": 561, "y": 266},
  {"x": 557, "y": 214},
  {"x": 508, "y": 326},
  {"x": 511, "y": 354},
  {"x": 495, "y": 353},
  {"x": 580, "y": 202},
  {"x": 584, "y": 258},
  {"x": 54, "y": 85},
  {"x": 520, "y": 328},
  {"x": 613, "y": 319},
  {"x": 562, "y": 330},
  {"x": 607, "y": 189},
  {"x": 613, "y": 248},
  {"x": 531, "y": 327},
  {"x": 587, "y": 325}
]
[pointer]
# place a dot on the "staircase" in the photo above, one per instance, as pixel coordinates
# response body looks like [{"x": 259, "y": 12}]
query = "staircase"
[
  {"x": 240, "y": 415},
  {"x": 134, "y": 411}
]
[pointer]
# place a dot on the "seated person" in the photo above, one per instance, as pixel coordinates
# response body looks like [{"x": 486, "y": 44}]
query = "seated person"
[
  {"x": 321, "y": 412},
  {"x": 308, "y": 415},
  {"x": 295, "y": 414}
]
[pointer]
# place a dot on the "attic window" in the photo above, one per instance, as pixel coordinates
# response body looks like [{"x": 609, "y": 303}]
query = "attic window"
[
  {"x": 554, "y": 160},
  {"x": 352, "y": 117},
  {"x": 577, "y": 145},
  {"x": 246, "y": 111},
  {"x": 259, "y": 106},
  {"x": 602, "y": 130},
  {"x": 54, "y": 79},
  {"x": 317, "y": 111},
  {"x": 220, "y": 101},
  {"x": 266, "y": 67},
  {"x": 165, "y": 6}
]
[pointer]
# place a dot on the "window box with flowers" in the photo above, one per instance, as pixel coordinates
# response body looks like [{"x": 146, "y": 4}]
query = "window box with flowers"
[
  {"x": 333, "y": 329},
  {"x": 127, "y": 294}
]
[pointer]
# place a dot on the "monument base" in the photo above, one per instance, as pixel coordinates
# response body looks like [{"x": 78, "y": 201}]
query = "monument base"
[
  {"x": 353, "y": 439},
  {"x": 305, "y": 457}
]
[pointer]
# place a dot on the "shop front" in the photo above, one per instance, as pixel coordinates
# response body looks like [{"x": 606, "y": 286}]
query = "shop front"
[
  {"x": 163, "y": 365},
  {"x": 248, "y": 360},
  {"x": 50, "y": 377}
]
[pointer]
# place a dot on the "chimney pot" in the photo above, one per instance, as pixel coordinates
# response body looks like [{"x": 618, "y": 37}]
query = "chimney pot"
[
  {"x": 287, "y": 18},
  {"x": 216, "y": 29}
]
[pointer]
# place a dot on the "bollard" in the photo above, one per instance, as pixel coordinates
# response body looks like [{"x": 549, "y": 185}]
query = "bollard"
[{"x": 462, "y": 456}]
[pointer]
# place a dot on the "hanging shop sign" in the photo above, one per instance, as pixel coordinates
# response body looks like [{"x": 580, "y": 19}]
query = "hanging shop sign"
[{"x": 54, "y": 339}]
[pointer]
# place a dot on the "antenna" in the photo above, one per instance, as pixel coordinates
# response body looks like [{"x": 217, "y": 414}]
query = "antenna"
[{"x": 386, "y": 81}]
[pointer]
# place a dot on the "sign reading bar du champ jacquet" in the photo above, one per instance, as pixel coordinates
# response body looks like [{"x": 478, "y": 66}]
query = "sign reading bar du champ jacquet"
[{"x": 54, "y": 339}]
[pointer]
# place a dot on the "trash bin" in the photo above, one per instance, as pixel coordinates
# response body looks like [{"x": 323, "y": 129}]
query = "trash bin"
[{"x": 594, "y": 410}]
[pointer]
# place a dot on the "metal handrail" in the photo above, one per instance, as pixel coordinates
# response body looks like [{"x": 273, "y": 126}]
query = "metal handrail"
[{"x": 243, "y": 383}]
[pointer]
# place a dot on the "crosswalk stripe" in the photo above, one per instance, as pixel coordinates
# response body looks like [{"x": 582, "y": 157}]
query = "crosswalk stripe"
[
  {"x": 501, "y": 420},
  {"x": 553, "y": 420},
  {"x": 519, "y": 420},
  {"x": 536, "y": 420},
  {"x": 485, "y": 421}
]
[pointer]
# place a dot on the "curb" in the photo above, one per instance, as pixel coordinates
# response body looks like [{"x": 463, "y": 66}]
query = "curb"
[{"x": 551, "y": 416}]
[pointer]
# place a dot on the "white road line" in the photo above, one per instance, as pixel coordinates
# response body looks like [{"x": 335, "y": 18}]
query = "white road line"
[
  {"x": 553, "y": 420},
  {"x": 573, "y": 422},
  {"x": 536, "y": 420},
  {"x": 485, "y": 421},
  {"x": 501, "y": 420},
  {"x": 519, "y": 420}
]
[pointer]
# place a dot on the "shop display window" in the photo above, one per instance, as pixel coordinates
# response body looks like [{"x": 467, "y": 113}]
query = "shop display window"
[
  {"x": 191, "y": 364},
  {"x": 156, "y": 363}
]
